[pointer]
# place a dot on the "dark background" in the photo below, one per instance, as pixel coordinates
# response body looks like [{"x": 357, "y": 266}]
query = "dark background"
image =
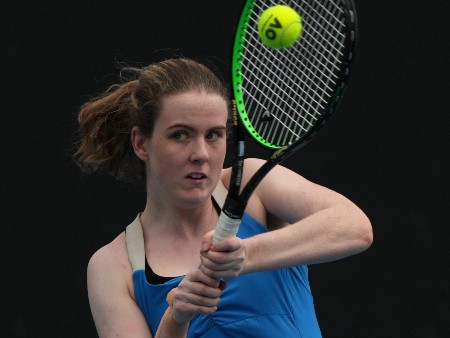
[{"x": 387, "y": 149}]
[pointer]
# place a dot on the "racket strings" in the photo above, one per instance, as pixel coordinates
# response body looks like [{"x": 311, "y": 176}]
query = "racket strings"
[
  {"x": 290, "y": 82},
  {"x": 287, "y": 91},
  {"x": 288, "y": 96}
]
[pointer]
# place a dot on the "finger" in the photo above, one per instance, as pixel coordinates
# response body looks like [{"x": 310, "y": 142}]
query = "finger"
[
  {"x": 221, "y": 260},
  {"x": 190, "y": 295},
  {"x": 213, "y": 273},
  {"x": 228, "y": 244},
  {"x": 226, "y": 271},
  {"x": 198, "y": 275},
  {"x": 216, "y": 265},
  {"x": 207, "y": 241},
  {"x": 226, "y": 274},
  {"x": 201, "y": 290},
  {"x": 170, "y": 296},
  {"x": 187, "y": 309}
]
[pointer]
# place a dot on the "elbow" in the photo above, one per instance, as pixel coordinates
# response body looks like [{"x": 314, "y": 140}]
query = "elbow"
[
  {"x": 363, "y": 233},
  {"x": 355, "y": 231}
]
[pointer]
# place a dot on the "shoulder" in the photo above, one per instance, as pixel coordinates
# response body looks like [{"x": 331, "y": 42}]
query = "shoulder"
[
  {"x": 251, "y": 165},
  {"x": 278, "y": 175},
  {"x": 283, "y": 196},
  {"x": 110, "y": 254},
  {"x": 110, "y": 265}
]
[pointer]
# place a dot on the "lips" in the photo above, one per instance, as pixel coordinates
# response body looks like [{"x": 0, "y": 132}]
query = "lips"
[{"x": 196, "y": 176}]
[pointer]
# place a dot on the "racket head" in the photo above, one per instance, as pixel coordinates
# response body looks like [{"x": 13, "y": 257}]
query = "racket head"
[{"x": 284, "y": 96}]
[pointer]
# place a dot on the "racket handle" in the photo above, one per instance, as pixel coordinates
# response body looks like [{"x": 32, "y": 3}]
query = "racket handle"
[{"x": 226, "y": 227}]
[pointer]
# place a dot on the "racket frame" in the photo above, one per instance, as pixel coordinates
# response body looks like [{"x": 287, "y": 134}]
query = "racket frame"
[{"x": 236, "y": 202}]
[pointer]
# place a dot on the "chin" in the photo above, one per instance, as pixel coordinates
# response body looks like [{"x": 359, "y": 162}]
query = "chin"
[{"x": 198, "y": 197}]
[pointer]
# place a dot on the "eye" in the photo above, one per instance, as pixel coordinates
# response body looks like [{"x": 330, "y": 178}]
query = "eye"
[
  {"x": 214, "y": 135},
  {"x": 180, "y": 135}
]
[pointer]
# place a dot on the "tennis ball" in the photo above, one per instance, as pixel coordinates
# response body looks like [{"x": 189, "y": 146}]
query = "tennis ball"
[{"x": 279, "y": 26}]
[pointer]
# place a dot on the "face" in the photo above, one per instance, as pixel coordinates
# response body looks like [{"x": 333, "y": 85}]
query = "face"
[{"x": 187, "y": 149}]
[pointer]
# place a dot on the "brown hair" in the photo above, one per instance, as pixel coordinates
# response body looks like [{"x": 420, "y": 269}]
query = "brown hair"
[{"x": 106, "y": 121}]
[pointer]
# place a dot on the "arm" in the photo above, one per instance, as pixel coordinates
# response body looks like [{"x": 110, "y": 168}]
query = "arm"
[
  {"x": 307, "y": 224},
  {"x": 114, "y": 311},
  {"x": 315, "y": 224}
]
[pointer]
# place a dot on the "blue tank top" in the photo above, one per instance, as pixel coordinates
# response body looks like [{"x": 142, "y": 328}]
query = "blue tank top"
[{"x": 276, "y": 303}]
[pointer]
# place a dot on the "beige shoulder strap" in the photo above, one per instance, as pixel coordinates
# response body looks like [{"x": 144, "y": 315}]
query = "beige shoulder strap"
[{"x": 135, "y": 245}]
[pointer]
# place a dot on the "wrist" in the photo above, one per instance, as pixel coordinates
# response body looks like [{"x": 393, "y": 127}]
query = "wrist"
[
  {"x": 172, "y": 325},
  {"x": 178, "y": 318}
]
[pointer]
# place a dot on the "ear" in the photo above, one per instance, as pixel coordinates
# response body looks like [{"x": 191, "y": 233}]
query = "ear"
[{"x": 138, "y": 143}]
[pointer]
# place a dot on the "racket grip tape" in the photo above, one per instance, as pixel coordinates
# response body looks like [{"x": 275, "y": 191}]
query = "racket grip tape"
[
  {"x": 229, "y": 219},
  {"x": 226, "y": 227}
]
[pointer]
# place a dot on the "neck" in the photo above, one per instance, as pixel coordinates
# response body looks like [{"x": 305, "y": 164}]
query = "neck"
[{"x": 181, "y": 222}]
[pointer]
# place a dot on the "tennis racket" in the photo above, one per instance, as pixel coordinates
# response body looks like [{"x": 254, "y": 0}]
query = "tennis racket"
[{"x": 283, "y": 97}]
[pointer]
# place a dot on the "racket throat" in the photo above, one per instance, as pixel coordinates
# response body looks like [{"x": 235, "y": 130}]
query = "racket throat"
[{"x": 234, "y": 208}]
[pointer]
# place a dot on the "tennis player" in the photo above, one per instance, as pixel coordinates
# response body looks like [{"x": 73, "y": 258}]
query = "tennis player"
[{"x": 162, "y": 276}]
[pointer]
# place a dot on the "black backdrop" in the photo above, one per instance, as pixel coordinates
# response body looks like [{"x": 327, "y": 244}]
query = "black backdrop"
[{"x": 386, "y": 149}]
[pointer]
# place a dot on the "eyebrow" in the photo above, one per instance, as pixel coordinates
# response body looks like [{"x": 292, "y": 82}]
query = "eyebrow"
[{"x": 188, "y": 127}]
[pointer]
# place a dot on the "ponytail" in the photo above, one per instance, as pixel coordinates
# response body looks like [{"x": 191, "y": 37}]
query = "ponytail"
[{"x": 105, "y": 126}]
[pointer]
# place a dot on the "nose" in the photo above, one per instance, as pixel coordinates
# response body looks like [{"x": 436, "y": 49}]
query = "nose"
[{"x": 200, "y": 152}]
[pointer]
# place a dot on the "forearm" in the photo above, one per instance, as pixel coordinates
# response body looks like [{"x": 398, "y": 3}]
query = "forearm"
[
  {"x": 327, "y": 235},
  {"x": 169, "y": 328}
]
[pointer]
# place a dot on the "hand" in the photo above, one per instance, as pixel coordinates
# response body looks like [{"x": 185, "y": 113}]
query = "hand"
[
  {"x": 225, "y": 259},
  {"x": 196, "y": 293}
]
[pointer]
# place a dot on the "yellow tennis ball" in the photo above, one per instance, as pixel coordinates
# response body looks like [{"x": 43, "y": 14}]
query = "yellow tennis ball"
[{"x": 279, "y": 26}]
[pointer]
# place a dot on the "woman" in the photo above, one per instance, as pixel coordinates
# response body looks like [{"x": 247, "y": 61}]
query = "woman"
[{"x": 163, "y": 277}]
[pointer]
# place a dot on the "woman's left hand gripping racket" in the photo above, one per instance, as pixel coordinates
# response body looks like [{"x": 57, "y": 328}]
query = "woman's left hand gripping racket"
[{"x": 286, "y": 88}]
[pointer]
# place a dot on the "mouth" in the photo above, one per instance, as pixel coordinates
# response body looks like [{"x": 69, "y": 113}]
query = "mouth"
[{"x": 196, "y": 176}]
